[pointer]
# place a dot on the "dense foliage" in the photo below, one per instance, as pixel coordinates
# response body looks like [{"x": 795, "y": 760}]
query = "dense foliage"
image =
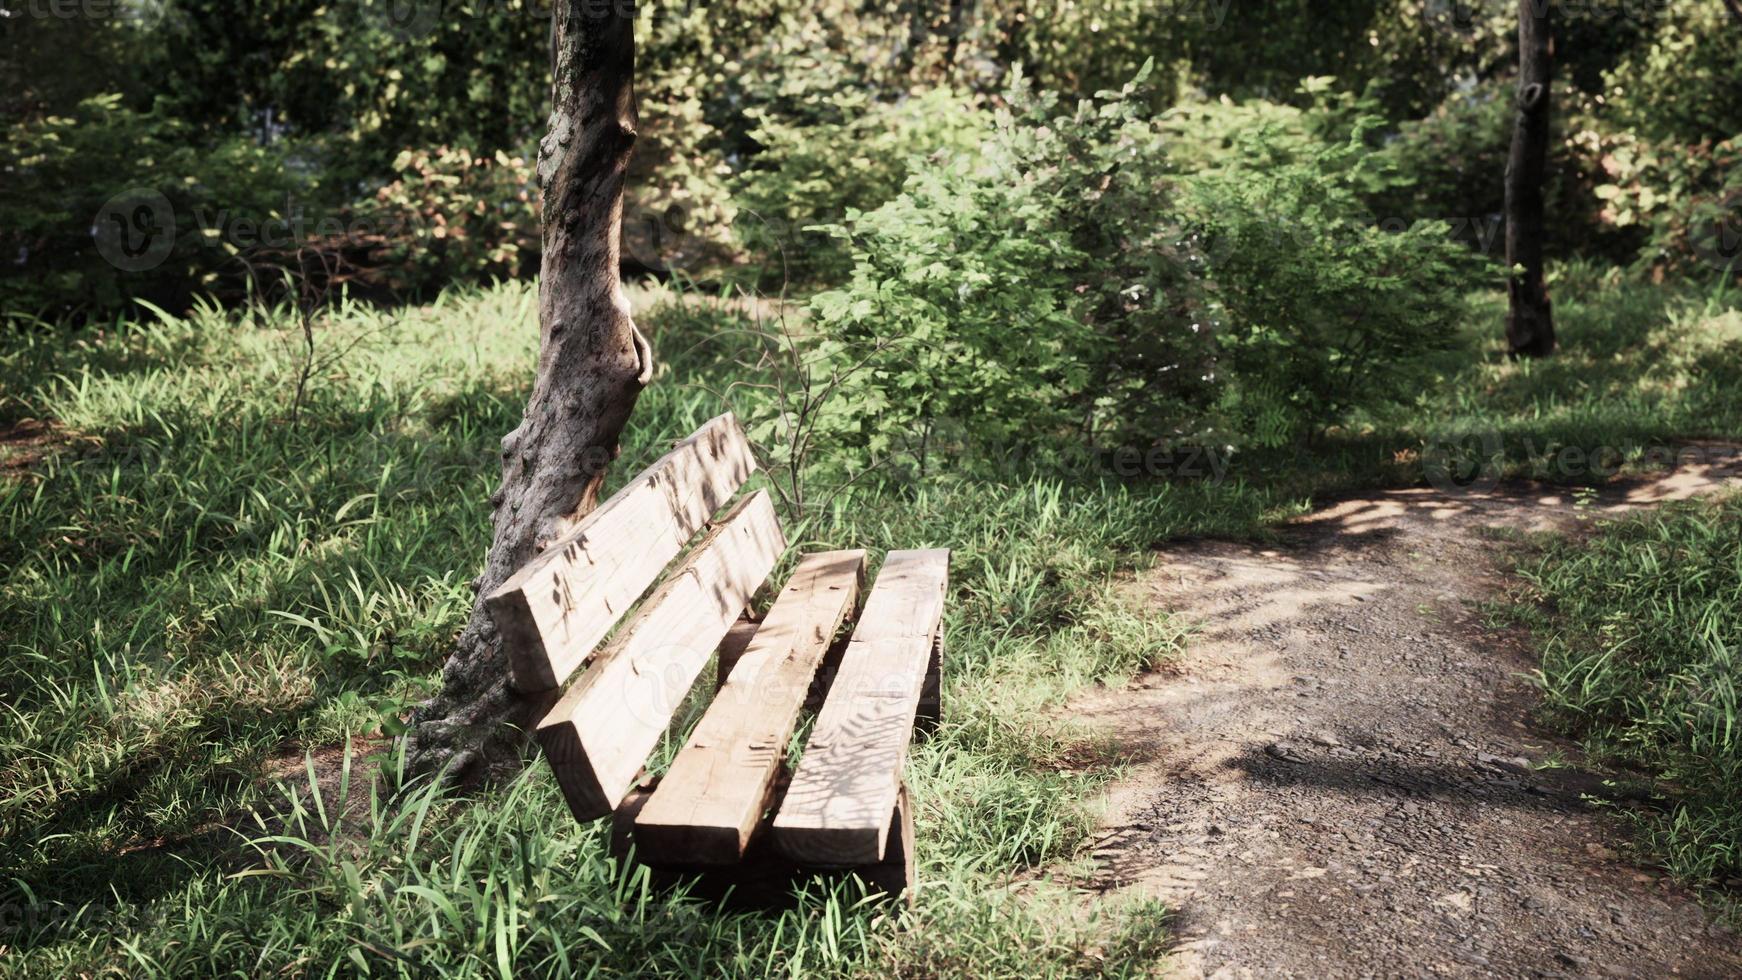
[
  {"x": 1319, "y": 307},
  {"x": 71, "y": 219},
  {"x": 765, "y": 118},
  {"x": 854, "y": 154},
  {"x": 1039, "y": 289},
  {"x": 1080, "y": 282}
]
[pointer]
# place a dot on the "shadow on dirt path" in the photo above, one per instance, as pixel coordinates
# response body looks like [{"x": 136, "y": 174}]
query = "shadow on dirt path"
[{"x": 1338, "y": 778}]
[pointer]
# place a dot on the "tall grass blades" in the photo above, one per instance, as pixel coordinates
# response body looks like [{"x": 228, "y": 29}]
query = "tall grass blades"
[{"x": 1639, "y": 660}]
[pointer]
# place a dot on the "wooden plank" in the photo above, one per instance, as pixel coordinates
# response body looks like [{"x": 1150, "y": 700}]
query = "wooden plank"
[
  {"x": 836, "y": 812},
  {"x": 601, "y": 731},
  {"x": 558, "y": 606},
  {"x": 720, "y": 784}
]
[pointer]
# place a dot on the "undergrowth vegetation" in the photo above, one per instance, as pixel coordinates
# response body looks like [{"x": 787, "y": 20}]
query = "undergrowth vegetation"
[
  {"x": 187, "y": 614},
  {"x": 1643, "y": 368},
  {"x": 1099, "y": 274},
  {"x": 1642, "y": 627}
]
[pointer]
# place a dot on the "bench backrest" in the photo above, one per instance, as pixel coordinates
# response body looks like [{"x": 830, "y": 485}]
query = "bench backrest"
[{"x": 556, "y": 609}]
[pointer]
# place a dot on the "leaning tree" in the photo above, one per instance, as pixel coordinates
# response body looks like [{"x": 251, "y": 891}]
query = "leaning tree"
[
  {"x": 1529, "y": 315},
  {"x": 592, "y": 365}
]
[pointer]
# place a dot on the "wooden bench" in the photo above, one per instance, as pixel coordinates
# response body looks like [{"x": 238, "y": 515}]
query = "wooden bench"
[{"x": 728, "y": 804}]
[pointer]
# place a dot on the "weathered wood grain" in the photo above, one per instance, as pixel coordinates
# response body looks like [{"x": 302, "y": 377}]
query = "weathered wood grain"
[
  {"x": 720, "y": 784},
  {"x": 836, "y": 812},
  {"x": 601, "y": 731},
  {"x": 765, "y": 878},
  {"x": 556, "y": 608}
]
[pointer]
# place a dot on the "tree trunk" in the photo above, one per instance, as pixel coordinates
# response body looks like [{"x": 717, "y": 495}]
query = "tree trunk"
[
  {"x": 592, "y": 365},
  {"x": 958, "y": 25},
  {"x": 1529, "y": 317}
]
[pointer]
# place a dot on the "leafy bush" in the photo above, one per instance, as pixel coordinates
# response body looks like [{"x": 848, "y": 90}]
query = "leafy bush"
[
  {"x": 813, "y": 171},
  {"x": 1215, "y": 133},
  {"x": 1688, "y": 197},
  {"x": 1454, "y": 160},
  {"x": 1090, "y": 280},
  {"x": 453, "y": 216},
  {"x": 1036, "y": 294},
  {"x": 1667, "y": 160},
  {"x": 1317, "y": 306},
  {"x": 107, "y": 203},
  {"x": 1681, "y": 86}
]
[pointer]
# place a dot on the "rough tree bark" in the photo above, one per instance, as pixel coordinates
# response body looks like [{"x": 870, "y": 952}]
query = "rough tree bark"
[
  {"x": 592, "y": 365},
  {"x": 1529, "y": 316}
]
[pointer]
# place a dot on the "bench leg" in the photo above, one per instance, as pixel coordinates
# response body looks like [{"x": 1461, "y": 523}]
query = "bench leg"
[
  {"x": 931, "y": 699},
  {"x": 765, "y": 879},
  {"x": 895, "y": 875}
]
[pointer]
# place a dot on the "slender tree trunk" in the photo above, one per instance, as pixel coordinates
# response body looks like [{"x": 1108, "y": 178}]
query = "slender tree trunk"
[
  {"x": 592, "y": 364},
  {"x": 1529, "y": 317},
  {"x": 958, "y": 25}
]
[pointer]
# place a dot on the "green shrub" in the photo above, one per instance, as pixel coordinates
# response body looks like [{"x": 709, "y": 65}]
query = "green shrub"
[
  {"x": 1096, "y": 277},
  {"x": 1317, "y": 306},
  {"x": 1668, "y": 162},
  {"x": 1037, "y": 293},
  {"x": 1681, "y": 85},
  {"x": 106, "y": 204},
  {"x": 854, "y": 157},
  {"x": 1206, "y": 134},
  {"x": 1689, "y": 198},
  {"x": 1454, "y": 159},
  {"x": 453, "y": 216}
]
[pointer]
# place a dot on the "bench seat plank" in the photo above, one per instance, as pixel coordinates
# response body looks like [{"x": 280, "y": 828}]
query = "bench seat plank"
[
  {"x": 836, "y": 811},
  {"x": 719, "y": 786},
  {"x": 600, "y": 733},
  {"x": 558, "y": 606}
]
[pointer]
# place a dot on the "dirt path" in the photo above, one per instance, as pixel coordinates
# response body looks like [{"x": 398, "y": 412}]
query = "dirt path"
[{"x": 1337, "y": 779}]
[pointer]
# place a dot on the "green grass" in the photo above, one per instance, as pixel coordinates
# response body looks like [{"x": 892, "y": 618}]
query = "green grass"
[
  {"x": 1640, "y": 367},
  {"x": 197, "y": 591},
  {"x": 1641, "y": 625}
]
